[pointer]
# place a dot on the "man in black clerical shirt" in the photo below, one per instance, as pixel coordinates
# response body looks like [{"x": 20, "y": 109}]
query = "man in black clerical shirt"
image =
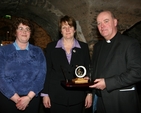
[{"x": 116, "y": 64}]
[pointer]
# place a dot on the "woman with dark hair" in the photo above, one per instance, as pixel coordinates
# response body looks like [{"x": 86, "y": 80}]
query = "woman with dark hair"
[
  {"x": 63, "y": 56},
  {"x": 22, "y": 71}
]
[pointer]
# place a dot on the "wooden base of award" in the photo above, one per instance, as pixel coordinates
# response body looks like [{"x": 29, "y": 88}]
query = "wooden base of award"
[{"x": 79, "y": 80}]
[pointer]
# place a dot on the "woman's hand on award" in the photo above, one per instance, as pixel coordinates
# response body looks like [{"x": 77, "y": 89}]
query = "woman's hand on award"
[{"x": 86, "y": 78}]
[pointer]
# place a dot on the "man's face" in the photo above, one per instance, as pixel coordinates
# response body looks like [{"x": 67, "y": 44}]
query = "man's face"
[{"x": 106, "y": 25}]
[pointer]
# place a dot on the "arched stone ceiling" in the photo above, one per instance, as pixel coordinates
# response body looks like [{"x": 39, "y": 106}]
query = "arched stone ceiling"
[
  {"x": 46, "y": 13},
  {"x": 36, "y": 10}
]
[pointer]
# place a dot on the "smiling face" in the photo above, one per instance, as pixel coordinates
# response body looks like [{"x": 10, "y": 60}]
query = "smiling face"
[
  {"x": 67, "y": 27},
  {"x": 106, "y": 24},
  {"x": 22, "y": 33},
  {"x": 67, "y": 31}
]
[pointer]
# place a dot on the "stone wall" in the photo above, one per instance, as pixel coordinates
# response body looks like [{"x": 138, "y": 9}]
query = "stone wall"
[{"x": 46, "y": 13}]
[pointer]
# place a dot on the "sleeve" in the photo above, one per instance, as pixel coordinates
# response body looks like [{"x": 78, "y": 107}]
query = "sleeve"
[
  {"x": 6, "y": 86},
  {"x": 87, "y": 58},
  {"x": 93, "y": 61},
  {"x": 48, "y": 59},
  {"x": 40, "y": 79},
  {"x": 87, "y": 64},
  {"x": 132, "y": 73}
]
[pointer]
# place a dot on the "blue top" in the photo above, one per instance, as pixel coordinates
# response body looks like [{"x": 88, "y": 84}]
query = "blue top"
[
  {"x": 18, "y": 48},
  {"x": 21, "y": 71}
]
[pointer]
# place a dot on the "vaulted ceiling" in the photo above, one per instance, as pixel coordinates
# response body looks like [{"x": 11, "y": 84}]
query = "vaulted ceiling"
[{"x": 46, "y": 13}]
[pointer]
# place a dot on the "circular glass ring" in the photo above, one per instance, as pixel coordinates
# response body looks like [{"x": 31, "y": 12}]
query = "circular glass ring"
[{"x": 80, "y": 71}]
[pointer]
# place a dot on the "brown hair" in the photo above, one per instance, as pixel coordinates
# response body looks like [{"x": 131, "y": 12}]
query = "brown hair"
[
  {"x": 71, "y": 21},
  {"x": 20, "y": 20}
]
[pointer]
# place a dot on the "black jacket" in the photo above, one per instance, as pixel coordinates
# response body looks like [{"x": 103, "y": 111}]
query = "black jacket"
[
  {"x": 121, "y": 69},
  {"x": 56, "y": 61}
]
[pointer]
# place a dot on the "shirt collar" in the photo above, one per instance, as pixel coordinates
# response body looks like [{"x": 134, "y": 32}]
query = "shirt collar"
[
  {"x": 18, "y": 48},
  {"x": 60, "y": 44},
  {"x": 112, "y": 39}
]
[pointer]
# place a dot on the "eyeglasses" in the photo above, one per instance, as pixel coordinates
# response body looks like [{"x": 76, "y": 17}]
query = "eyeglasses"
[{"x": 22, "y": 29}]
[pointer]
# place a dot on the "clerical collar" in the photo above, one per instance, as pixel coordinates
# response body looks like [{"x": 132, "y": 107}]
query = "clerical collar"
[{"x": 108, "y": 41}]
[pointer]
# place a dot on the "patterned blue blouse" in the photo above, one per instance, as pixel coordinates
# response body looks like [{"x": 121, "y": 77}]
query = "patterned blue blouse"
[{"x": 21, "y": 71}]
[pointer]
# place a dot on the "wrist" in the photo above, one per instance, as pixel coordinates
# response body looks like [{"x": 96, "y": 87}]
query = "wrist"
[
  {"x": 31, "y": 94},
  {"x": 89, "y": 94},
  {"x": 30, "y": 98}
]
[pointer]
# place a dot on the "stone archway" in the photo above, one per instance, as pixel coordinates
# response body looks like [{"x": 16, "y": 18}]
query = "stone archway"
[{"x": 41, "y": 12}]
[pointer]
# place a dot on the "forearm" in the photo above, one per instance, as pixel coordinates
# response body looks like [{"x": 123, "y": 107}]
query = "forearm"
[
  {"x": 15, "y": 98},
  {"x": 31, "y": 94}
]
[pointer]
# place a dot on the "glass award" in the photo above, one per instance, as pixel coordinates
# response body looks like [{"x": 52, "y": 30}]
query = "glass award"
[{"x": 80, "y": 72}]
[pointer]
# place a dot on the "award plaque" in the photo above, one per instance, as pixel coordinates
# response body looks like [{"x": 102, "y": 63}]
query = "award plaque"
[{"x": 79, "y": 81}]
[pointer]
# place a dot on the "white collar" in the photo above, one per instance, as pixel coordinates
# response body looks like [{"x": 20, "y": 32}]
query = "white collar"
[{"x": 108, "y": 41}]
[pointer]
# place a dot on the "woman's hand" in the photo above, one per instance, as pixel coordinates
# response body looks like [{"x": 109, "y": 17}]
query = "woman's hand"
[
  {"x": 88, "y": 100},
  {"x": 86, "y": 78},
  {"x": 15, "y": 98},
  {"x": 23, "y": 102},
  {"x": 46, "y": 102}
]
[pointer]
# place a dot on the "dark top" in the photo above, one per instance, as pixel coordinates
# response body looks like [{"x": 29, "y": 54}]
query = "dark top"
[
  {"x": 56, "y": 61},
  {"x": 119, "y": 62}
]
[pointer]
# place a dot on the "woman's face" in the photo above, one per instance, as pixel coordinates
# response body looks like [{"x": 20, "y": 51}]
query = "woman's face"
[
  {"x": 67, "y": 31},
  {"x": 23, "y": 33}
]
